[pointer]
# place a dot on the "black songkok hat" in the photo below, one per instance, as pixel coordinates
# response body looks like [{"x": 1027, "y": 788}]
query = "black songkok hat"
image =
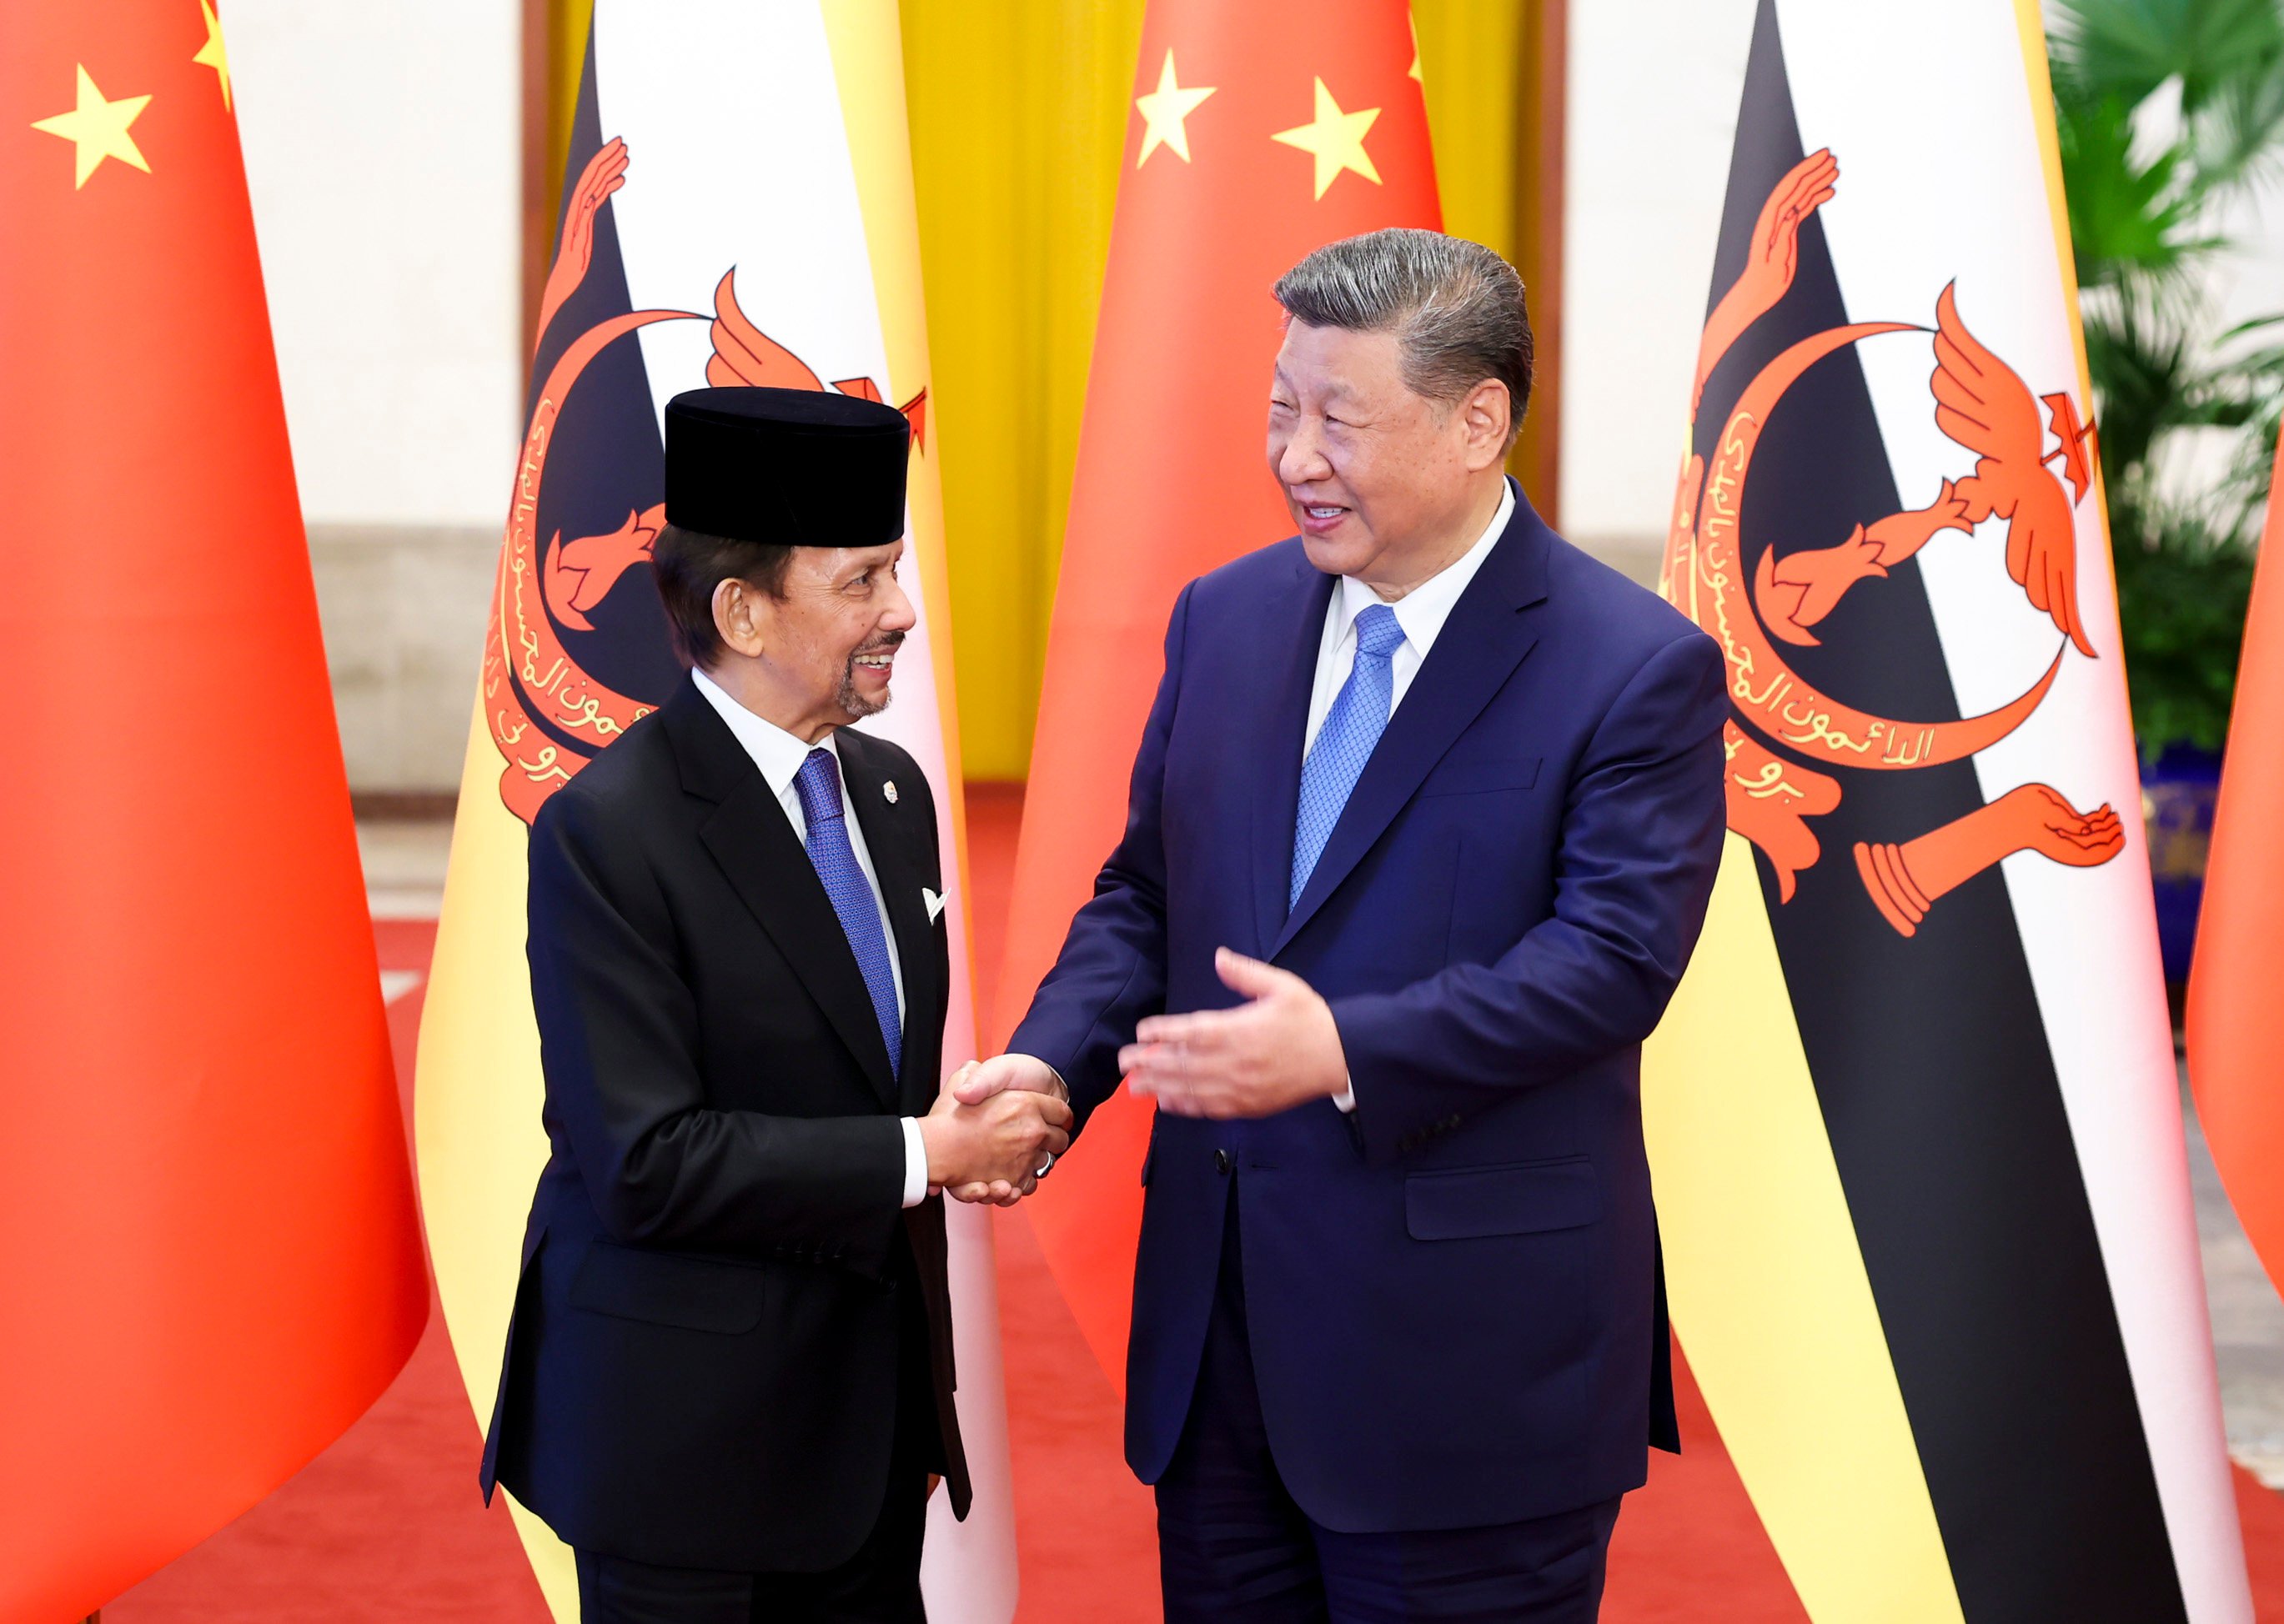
[{"x": 798, "y": 466}]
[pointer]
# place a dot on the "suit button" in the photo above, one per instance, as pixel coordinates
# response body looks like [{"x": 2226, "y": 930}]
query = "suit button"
[{"x": 1220, "y": 1161}]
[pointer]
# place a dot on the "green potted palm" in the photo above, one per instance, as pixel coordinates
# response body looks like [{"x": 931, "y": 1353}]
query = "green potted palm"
[{"x": 2169, "y": 111}]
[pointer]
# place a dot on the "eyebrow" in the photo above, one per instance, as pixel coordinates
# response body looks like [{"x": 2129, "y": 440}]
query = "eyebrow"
[
  {"x": 1335, "y": 390},
  {"x": 888, "y": 561}
]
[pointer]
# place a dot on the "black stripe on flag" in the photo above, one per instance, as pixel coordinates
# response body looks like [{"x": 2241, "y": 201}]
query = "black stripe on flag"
[
  {"x": 607, "y": 460},
  {"x": 1928, "y": 1054}
]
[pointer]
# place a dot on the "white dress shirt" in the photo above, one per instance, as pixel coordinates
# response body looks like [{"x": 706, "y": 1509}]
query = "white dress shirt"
[
  {"x": 1421, "y": 613},
  {"x": 779, "y": 756}
]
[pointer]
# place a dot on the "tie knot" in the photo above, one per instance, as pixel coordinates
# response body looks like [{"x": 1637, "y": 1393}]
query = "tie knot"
[
  {"x": 1379, "y": 633},
  {"x": 819, "y": 783}
]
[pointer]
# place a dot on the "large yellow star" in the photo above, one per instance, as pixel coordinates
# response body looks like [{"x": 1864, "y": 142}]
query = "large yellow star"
[
  {"x": 97, "y": 129},
  {"x": 1412, "y": 73},
  {"x": 1162, "y": 111},
  {"x": 1335, "y": 139},
  {"x": 212, "y": 55}
]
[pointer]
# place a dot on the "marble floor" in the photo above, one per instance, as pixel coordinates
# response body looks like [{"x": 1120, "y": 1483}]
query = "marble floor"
[{"x": 2248, "y": 1320}]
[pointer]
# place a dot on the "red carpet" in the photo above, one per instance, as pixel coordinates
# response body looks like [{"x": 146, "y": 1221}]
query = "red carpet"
[{"x": 386, "y": 1527}]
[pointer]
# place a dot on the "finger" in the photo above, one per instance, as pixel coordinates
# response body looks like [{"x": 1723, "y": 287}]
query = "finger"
[
  {"x": 1206, "y": 1033},
  {"x": 1219, "y": 1102},
  {"x": 971, "y": 1192},
  {"x": 1162, "y": 1056},
  {"x": 980, "y": 1084},
  {"x": 1174, "y": 1028},
  {"x": 1249, "y": 976},
  {"x": 1162, "y": 1081},
  {"x": 1055, "y": 1142}
]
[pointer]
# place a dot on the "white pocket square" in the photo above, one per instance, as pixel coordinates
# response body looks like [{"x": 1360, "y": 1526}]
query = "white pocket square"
[{"x": 935, "y": 900}]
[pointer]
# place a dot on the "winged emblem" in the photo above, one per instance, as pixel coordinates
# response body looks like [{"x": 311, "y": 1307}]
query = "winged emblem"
[
  {"x": 547, "y": 715},
  {"x": 1783, "y": 729}
]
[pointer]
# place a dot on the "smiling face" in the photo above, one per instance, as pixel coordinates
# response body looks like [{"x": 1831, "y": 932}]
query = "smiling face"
[
  {"x": 821, "y": 655},
  {"x": 1384, "y": 483}
]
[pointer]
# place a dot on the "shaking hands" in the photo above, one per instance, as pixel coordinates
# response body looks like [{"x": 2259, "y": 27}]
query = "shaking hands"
[
  {"x": 995, "y": 1148},
  {"x": 1279, "y": 1049}
]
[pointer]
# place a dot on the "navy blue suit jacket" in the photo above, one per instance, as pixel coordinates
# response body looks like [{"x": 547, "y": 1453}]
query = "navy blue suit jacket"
[{"x": 1452, "y": 1295}]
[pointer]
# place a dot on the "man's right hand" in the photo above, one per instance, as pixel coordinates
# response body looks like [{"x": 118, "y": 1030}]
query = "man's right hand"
[
  {"x": 978, "y": 1080},
  {"x": 999, "y": 1143}
]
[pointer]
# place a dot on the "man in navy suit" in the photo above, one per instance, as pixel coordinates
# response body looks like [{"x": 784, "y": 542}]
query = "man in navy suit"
[{"x": 1423, "y": 825}]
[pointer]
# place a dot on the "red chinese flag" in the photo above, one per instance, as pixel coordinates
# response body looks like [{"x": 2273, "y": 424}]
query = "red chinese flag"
[
  {"x": 2236, "y": 982},
  {"x": 1260, "y": 132},
  {"x": 211, "y": 1259}
]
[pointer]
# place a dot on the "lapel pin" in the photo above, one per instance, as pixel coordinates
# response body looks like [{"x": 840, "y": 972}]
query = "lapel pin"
[{"x": 888, "y": 791}]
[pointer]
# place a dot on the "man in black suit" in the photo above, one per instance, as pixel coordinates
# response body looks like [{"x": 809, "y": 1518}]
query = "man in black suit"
[{"x": 729, "y": 1383}]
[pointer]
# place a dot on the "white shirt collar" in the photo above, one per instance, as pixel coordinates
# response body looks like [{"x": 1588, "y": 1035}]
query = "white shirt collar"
[
  {"x": 1422, "y": 611},
  {"x": 776, "y": 752}
]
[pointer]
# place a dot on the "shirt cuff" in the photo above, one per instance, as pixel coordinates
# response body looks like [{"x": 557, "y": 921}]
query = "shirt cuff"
[
  {"x": 1346, "y": 1098},
  {"x": 915, "y": 1163},
  {"x": 1057, "y": 1075}
]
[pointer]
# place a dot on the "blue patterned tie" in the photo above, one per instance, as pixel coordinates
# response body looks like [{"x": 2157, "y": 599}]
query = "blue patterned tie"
[
  {"x": 835, "y": 861},
  {"x": 1352, "y": 727}
]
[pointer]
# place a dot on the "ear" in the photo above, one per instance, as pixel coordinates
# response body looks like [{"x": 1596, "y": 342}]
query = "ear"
[
  {"x": 741, "y": 617},
  {"x": 1484, "y": 417}
]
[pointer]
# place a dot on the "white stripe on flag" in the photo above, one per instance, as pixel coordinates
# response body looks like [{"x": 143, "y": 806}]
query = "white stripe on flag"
[{"x": 1926, "y": 106}]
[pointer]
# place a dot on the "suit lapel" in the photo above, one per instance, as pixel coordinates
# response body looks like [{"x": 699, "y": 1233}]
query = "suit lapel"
[
  {"x": 1486, "y": 637},
  {"x": 1295, "y": 622},
  {"x": 753, "y": 841},
  {"x": 895, "y": 841}
]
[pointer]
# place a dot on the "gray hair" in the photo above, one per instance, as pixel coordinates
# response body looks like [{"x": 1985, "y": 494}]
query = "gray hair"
[{"x": 1456, "y": 308}]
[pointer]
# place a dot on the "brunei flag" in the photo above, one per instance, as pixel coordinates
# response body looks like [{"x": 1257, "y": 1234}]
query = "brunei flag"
[
  {"x": 737, "y": 210},
  {"x": 1913, "y": 1113}
]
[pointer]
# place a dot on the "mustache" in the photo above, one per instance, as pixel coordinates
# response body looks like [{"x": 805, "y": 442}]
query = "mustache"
[{"x": 885, "y": 641}]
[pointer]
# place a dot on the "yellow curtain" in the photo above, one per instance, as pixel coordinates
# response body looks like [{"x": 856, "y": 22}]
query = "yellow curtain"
[{"x": 1018, "y": 114}]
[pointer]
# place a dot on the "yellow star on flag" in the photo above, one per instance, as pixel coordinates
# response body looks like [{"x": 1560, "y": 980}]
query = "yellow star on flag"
[
  {"x": 1335, "y": 139},
  {"x": 97, "y": 129},
  {"x": 1162, "y": 111},
  {"x": 212, "y": 55},
  {"x": 1412, "y": 73}
]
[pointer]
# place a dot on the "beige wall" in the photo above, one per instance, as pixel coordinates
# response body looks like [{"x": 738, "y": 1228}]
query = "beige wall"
[
  {"x": 381, "y": 146},
  {"x": 1653, "y": 90},
  {"x": 381, "y": 150}
]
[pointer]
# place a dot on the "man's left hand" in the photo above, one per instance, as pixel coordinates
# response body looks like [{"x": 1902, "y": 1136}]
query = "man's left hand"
[{"x": 1281, "y": 1049}]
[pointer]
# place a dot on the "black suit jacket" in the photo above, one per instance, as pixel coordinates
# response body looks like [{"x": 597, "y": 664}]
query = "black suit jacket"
[{"x": 723, "y": 1304}]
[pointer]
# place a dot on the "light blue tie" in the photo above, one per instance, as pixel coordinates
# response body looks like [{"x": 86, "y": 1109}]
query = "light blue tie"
[
  {"x": 1352, "y": 727},
  {"x": 835, "y": 861}
]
